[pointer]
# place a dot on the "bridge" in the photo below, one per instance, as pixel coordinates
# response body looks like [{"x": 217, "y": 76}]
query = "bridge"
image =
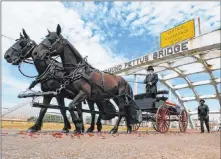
[{"x": 184, "y": 63}]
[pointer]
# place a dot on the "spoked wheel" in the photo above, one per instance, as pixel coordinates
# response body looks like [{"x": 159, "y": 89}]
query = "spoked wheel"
[
  {"x": 135, "y": 127},
  {"x": 155, "y": 126},
  {"x": 183, "y": 121},
  {"x": 163, "y": 119}
]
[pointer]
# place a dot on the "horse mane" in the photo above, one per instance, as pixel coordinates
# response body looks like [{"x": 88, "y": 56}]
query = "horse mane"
[{"x": 78, "y": 55}]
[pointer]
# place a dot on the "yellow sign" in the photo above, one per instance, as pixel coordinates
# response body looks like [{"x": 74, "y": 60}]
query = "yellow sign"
[{"x": 177, "y": 34}]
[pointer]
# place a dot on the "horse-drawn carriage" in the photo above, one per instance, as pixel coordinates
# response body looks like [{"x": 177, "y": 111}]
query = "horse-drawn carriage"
[
  {"x": 77, "y": 80},
  {"x": 159, "y": 111}
]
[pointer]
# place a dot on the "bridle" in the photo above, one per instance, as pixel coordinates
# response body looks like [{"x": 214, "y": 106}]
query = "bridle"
[
  {"x": 26, "y": 50},
  {"x": 64, "y": 42}
]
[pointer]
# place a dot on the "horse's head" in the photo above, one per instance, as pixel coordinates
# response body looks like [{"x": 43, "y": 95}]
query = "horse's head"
[
  {"x": 52, "y": 45},
  {"x": 20, "y": 50},
  {"x": 55, "y": 45}
]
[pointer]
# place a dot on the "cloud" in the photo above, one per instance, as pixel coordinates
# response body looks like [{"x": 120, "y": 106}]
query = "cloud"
[
  {"x": 131, "y": 16},
  {"x": 159, "y": 16},
  {"x": 35, "y": 17}
]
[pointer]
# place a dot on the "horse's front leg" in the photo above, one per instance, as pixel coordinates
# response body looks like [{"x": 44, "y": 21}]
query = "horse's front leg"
[
  {"x": 80, "y": 115},
  {"x": 67, "y": 124},
  {"x": 81, "y": 96},
  {"x": 38, "y": 123}
]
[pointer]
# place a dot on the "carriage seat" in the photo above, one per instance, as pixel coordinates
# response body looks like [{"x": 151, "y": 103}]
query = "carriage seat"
[
  {"x": 163, "y": 92},
  {"x": 148, "y": 95}
]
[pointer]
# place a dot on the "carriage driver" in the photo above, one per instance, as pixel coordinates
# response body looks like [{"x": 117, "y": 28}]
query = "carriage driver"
[{"x": 151, "y": 82}]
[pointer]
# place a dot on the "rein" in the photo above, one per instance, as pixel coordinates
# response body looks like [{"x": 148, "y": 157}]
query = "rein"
[
  {"x": 19, "y": 68},
  {"x": 22, "y": 59}
]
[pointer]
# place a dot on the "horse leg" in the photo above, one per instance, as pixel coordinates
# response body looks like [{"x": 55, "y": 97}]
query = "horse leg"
[
  {"x": 126, "y": 105},
  {"x": 115, "y": 128},
  {"x": 129, "y": 127},
  {"x": 77, "y": 122},
  {"x": 80, "y": 115},
  {"x": 99, "y": 124},
  {"x": 84, "y": 92},
  {"x": 67, "y": 124},
  {"x": 38, "y": 123},
  {"x": 91, "y": 107},
  {"x": 100, "y": 107}
]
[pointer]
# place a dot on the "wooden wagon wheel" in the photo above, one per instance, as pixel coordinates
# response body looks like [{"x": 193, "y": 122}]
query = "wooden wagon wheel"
[
  {"x": 183, "y": 120},
  {"x": 155, "y": 126},
  {"x": 163, "y": 119},
  {"x": 135, "y": 127}
]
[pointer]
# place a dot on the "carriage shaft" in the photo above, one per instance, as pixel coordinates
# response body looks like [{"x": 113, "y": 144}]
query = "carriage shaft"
[{"x": 50, "y": 106}]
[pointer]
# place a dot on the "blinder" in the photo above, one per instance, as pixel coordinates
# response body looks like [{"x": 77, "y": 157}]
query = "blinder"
[
  {"x": 50, "y": 45},
  {"x": 22, "y": 50}
]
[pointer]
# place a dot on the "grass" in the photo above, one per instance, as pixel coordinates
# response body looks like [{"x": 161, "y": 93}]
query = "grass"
[{"x": 56, "y": 126}]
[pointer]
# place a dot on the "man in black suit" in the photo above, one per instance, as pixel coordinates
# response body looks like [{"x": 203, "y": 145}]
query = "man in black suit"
[
  {"x": 151, "y": 82},
  {"x": 203, "y": 115}
]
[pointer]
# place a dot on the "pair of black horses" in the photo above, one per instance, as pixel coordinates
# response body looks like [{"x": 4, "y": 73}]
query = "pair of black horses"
[{"x": 74, "y": 78}]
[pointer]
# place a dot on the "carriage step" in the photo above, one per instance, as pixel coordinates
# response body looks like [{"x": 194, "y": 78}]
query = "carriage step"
[{"x": 50, "y": 106}]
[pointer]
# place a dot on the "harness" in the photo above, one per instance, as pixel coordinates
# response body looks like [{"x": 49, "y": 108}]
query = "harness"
[{"x": 79, "y": 74}]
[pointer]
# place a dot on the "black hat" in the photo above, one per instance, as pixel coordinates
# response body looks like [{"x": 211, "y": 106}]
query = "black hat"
[
  {"x": 202, "y": 100},
  {"x": 150, "y": 68}
]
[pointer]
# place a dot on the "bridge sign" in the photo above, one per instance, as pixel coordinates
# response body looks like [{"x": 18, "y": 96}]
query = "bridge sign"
[{"x": 177, "y": 34}]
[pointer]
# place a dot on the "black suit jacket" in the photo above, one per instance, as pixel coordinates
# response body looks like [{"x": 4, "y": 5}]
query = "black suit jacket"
[{"x": 153, "y": 79}]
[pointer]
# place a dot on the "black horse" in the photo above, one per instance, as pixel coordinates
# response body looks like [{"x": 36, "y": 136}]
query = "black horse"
[
  {"x": 21, "y": 50},
  {"x": 91, "y": 84},
  {"x": 16, "y": 56}
]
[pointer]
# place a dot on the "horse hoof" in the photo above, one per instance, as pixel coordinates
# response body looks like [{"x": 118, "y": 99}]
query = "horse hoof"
[
  {"x": 113, "y": 131},
  {"x": 34, "y": 128},
  {"x": 99, "y": 128},
  {"x": 89, "y": 130},
  {"x": 69, "y": 127},
  {"x": 65, "y": 131},
  {"x": 129, "y": 132},
  {"x": 77, "y": 132},
  {"x": 31, "y": 130}
]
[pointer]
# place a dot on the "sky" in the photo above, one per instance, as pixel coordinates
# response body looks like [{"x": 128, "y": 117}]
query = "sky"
[{"x": 108, "y": 33}]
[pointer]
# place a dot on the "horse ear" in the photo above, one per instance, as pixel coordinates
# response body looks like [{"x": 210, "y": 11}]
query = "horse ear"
[
  {"x": 48, "y": 33},
  {"x": 21, "y": 36},
  {"x": 25, "y": 34},
  {"x": 58, "y": 30}
]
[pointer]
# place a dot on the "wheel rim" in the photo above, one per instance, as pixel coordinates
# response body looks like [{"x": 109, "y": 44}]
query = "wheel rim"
[
  {"x": 163, "y": 119},
  {"x": 183, "y": 121}
]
